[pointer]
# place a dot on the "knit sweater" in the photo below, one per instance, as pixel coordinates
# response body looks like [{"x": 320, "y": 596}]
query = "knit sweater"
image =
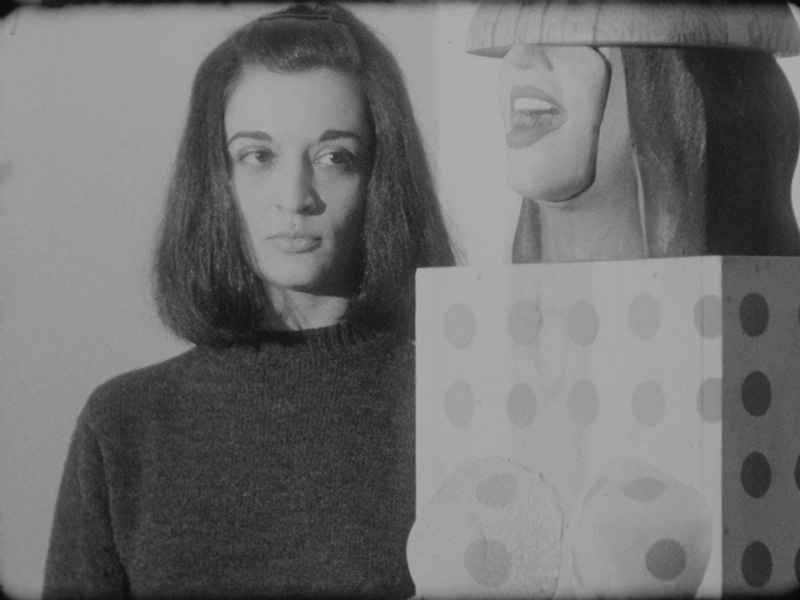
[{"x": 280, "y": 469}]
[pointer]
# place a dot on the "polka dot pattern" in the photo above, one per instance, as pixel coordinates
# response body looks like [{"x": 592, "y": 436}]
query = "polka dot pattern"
[
  {"x": 666, "y": 559},
  {"x": 708, "y": 316},
  {"x": 644, "y": 316},
  {"x": 709, "y": 400},
  {"x": 756, "y": 393},
  {"x": 583, "y": 403},
  {"x": 521, "y": 405},
  {"x": 459, "y": 404},
  {"x": 647, "y": 404},
  {"x": 524, "y": 322},
  {"x": 459, "y": 326},
  {"x": 756, "y": 475},
  {"x": 652, "y": 404},
  {"x": 497, "y": 491},
  {"x": 754, "y": 314},
  {"x": 582, "y": 323},
  {"x": 643, "y": 489},
  {"x": 488, "y": 562},
  {"x": 757, "y": 564}
]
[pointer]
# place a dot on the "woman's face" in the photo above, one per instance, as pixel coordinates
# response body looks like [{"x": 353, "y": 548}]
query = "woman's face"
[
  {"x": 553, "y": 100},
  {"x": 301, "y": 147}
]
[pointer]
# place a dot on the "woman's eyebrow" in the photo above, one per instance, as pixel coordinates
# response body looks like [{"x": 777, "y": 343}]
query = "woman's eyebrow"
[
  {"x": 334, "y": 134},
  {"x": 255, "y": 135}
]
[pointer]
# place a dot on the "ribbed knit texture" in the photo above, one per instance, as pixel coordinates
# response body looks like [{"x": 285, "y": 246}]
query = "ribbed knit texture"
[{"x": 280, "y": 469}]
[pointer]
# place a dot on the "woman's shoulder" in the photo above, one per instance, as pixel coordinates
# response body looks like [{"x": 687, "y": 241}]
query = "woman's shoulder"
[
  {"x": 135, "y": 394},
  {"x": 151, "y": 377}
]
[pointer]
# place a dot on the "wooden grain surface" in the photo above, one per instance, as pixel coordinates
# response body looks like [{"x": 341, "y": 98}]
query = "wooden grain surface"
[{"x": 496, "y": 26}]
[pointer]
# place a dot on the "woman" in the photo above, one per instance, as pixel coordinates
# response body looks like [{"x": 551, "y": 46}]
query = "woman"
[{"x": 276, "y": 457}]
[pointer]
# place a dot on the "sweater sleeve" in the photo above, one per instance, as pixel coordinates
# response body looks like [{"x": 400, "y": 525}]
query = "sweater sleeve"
[{"x": 82, "y": 560}]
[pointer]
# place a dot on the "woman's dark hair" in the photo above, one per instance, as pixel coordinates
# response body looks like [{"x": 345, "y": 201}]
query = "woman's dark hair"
[
  {"x": 716, "y": 135},
  {"x": 205, "y": 288}
]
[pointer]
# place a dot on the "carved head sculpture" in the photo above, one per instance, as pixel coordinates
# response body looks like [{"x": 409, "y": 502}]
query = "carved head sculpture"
[{"x": 676, "y": 119}]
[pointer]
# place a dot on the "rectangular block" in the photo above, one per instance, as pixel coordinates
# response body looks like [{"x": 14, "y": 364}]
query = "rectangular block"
[{"x": 659, "y": 398}]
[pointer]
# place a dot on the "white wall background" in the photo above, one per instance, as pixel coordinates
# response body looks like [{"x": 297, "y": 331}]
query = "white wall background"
[{"x": 92, "y": 101}]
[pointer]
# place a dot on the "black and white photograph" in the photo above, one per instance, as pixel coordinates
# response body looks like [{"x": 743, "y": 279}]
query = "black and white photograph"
[{"x": 477, "y": 299}]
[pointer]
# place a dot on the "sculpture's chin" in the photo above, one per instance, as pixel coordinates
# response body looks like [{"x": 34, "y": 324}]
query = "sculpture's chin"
[
  {"x": 557, "y": 192},
  {"x": 548, "y": 179}
]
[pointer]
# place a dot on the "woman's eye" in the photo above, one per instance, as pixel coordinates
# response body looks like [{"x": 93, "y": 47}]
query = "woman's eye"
[
  {"x": 340, "y": 158},
  {"x": 257, "y": 157}
]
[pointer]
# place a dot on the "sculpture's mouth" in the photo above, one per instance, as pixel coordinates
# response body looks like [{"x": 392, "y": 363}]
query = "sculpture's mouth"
[{"x": 534, "y": 114}]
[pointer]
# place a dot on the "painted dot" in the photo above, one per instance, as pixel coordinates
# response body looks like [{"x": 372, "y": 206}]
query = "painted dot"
[
  {"x": 708, "y": 316},
  {"x": 757, "y": 564},
  {"x": 521, "y": 405},
  {"x": 459, "y": 325},
  {"x": 648, "y": 403},
  {"x": 459, "y": 404},
  {"x": 524, "y": 321},
  {"x": 582, "y": 323},
  {"x": 754, "y": 314},
  {"x": 666, "y": 559},
  {"x": 596, "y": 487},
  {"x": 644, "y": 316},
  {"x": 643, "y": 489},
  {"x": 756, "y": 393},
  {"x": 497, "y": 491},
  {"x": 583, "y": 403},
  {"x": 756, "y": 475},
  {"x": 709, "y": 400},
  {"x": 488, "y": 562}
]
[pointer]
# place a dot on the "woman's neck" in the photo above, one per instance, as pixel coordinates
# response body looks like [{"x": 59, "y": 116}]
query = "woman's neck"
[
  {"x": 300, "y": 310},
  {"x": 597, "y": 225}
]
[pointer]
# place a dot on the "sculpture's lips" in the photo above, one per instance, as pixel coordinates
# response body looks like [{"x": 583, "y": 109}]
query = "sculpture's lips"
[
  {"x": 293, "y": 243},
  {"x": 534, "y": 114}
]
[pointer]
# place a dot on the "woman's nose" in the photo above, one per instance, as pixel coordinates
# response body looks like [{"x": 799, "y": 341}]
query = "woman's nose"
[
  {"x": 296, "y": 193},
  {"x": 528, "y": 56}
]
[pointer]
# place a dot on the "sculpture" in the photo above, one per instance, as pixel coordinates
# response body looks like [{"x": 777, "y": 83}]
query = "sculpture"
[
  {"x": 570, "y": 417},
  {"x": 682, "y": 139}
]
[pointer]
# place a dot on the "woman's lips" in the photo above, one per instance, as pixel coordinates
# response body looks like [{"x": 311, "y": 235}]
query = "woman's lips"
[
  {"x": 534, "y": 114},
  {"x": 295, "y": 244}
]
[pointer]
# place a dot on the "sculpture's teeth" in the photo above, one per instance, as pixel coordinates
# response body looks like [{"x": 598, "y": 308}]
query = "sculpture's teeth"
[{"x": 533, "y": 104}]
